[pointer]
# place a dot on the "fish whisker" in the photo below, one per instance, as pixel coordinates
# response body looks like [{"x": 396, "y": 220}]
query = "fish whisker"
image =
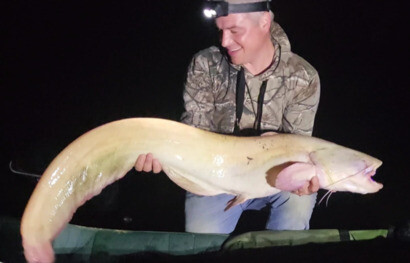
[
  {"x": 328, "y": 197},
  {"x": 329, "y": 192},
  {"x": 347, "y": 177}
]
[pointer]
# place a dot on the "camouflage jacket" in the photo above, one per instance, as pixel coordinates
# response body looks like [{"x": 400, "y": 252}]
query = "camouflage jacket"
[{"x": 290, "y": 102}]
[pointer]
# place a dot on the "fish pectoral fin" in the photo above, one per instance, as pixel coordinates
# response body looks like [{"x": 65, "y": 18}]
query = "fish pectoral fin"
[
  {"x": 290, "y": 176},
  {"x": 237, "y": 200}
]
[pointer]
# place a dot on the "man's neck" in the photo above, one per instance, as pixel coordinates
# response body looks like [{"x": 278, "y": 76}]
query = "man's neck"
[{"x": 263, "y": 61}]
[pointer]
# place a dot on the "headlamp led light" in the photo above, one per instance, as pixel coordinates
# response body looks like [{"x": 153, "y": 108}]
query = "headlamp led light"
[{"x": 214, "y": 9}]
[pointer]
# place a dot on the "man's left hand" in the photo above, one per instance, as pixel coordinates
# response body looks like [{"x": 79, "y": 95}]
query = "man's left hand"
[{"x": 309, "y": 188}]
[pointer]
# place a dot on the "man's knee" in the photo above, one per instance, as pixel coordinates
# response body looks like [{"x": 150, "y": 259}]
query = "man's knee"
[{"x": 205, "y": 214}]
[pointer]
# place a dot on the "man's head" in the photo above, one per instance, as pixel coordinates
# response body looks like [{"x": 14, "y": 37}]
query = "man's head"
[{"x": 246, "y": 36}]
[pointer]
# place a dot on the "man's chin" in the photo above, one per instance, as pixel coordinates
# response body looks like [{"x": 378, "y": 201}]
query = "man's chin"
[{"x": 236, "y": 61}]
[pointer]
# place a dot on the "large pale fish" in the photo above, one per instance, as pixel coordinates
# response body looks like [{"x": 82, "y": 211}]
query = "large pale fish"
[{"x": 199, "y": 161}]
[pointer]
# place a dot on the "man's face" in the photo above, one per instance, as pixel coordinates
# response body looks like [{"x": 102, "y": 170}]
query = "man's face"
[{"x": 242, "y": 37}]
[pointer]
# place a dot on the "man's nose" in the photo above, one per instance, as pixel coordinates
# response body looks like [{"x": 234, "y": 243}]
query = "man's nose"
[{"x": 225, "y": 39}]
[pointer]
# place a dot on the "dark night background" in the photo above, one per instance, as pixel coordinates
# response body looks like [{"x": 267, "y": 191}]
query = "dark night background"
[{"x": 69, "y": 66}]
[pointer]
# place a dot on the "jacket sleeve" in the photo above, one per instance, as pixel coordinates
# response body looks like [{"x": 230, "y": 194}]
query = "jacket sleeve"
[
  {"x": 299, "y": 115},
  {"x": 198, "y": 96}
]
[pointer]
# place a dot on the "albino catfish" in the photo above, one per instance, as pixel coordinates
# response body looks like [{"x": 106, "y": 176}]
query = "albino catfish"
[{"x": 199, "y": 161}]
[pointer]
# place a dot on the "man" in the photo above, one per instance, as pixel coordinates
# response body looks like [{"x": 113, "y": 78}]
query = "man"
[{"x": 280, "y": 92}]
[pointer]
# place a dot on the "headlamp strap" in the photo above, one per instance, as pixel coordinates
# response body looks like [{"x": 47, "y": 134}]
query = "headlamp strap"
[{"x": 248, "y": 8}]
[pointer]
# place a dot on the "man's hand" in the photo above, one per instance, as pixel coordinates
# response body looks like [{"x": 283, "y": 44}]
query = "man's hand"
[
  {"x": 309, "y": 188},
  {"x": 147, "y": 163}
]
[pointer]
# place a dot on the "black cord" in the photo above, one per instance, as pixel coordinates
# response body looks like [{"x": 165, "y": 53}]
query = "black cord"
[{"x": 261, "y": 97}]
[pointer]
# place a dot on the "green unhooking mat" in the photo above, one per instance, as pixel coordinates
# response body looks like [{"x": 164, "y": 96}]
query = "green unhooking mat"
[{"x": 86, "y": 244}]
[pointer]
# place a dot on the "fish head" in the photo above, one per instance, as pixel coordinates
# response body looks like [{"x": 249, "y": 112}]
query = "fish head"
[{"x": 343, "y": 169}]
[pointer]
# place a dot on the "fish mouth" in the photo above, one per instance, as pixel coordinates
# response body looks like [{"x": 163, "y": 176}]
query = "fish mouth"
[{"x": 369, "y": 172}]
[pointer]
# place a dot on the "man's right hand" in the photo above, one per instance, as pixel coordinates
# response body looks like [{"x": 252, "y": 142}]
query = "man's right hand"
[{"x": 147, "y": 163}]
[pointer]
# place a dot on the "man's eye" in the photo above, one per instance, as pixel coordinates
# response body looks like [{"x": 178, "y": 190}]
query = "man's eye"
[{"x": 236, "y": 31}]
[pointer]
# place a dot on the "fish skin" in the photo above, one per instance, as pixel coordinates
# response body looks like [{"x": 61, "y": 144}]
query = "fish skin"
[{"x": 199, "y": 161}]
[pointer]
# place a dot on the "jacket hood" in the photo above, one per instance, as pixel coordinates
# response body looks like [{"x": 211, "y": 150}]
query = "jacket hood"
[{"x": 279, "y": 35}]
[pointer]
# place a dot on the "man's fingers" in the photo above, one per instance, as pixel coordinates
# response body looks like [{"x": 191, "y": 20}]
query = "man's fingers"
[
  {"x": 309, "y": 188},
  {"x": 139, "y": 164},
  {"x": 303, "y": 190},
  {"x": 156, "y": 166},
  {"x": 314, "y": 185},
  {"x": 148, "y": 163}
]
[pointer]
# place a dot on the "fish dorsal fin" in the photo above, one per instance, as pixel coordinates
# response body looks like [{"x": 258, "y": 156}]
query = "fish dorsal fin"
[{"x": 290, "y": 176}]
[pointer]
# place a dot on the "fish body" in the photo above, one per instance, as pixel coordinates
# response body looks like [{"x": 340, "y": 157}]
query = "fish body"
[{"x": 199, "y": 161}]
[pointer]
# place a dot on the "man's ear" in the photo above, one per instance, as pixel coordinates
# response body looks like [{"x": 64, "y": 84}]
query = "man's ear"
[{"x": 265, "y": 21}]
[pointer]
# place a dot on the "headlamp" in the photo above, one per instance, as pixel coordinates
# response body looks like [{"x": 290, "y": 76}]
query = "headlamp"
[{"x": 214, "y": 9}]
